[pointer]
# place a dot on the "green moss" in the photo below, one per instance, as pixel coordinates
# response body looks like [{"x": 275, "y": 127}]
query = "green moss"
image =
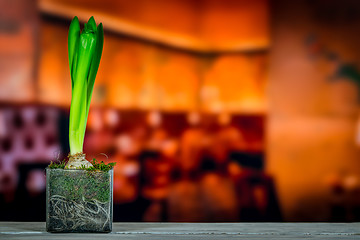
[
  {"x": 80, "y": 185},
  {"x": 97, "y": 166},
  {"x": 60, "y": 164}
]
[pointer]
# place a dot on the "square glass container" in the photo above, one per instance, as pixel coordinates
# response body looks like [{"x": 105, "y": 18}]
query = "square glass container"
[{"x": 79, "y": 201}]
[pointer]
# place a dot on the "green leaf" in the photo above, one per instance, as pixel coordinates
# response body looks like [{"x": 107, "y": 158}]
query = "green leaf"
[
  {"x": 73, "y": 41},
  {"x": 91, "y": 25},
  {"x": 95, "y": 62}
]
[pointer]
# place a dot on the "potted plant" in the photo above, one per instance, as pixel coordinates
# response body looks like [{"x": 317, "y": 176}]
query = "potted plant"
[{"x": 79, "y": 193}]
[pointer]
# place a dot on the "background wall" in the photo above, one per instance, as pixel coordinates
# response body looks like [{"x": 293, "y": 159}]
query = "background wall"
[
  {"x": 313, "y": 108},
  {"x": 19, "y": 48}
]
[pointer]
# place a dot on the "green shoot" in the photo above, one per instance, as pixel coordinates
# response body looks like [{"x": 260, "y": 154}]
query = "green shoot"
[{"x": 85, "y": 49}]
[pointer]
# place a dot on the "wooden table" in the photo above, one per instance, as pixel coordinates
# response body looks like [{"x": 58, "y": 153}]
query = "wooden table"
[{"x": 36, "y": 230}]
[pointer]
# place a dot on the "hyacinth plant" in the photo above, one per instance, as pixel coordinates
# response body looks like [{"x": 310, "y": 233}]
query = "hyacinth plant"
[{"x": 85, "y": 49}]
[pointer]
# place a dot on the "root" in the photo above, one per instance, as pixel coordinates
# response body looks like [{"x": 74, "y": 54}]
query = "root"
[{"x": 74, "y": 215}]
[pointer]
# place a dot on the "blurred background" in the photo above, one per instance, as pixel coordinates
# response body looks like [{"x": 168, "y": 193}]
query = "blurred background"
[{"x": 213, "y": 110}]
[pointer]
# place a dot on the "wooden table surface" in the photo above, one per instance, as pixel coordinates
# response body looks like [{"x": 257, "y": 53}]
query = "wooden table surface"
[{"x": 123, "y": 231}]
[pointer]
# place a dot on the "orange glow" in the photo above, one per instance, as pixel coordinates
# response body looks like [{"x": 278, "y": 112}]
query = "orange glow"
[{"x": 214, "y": 110}]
